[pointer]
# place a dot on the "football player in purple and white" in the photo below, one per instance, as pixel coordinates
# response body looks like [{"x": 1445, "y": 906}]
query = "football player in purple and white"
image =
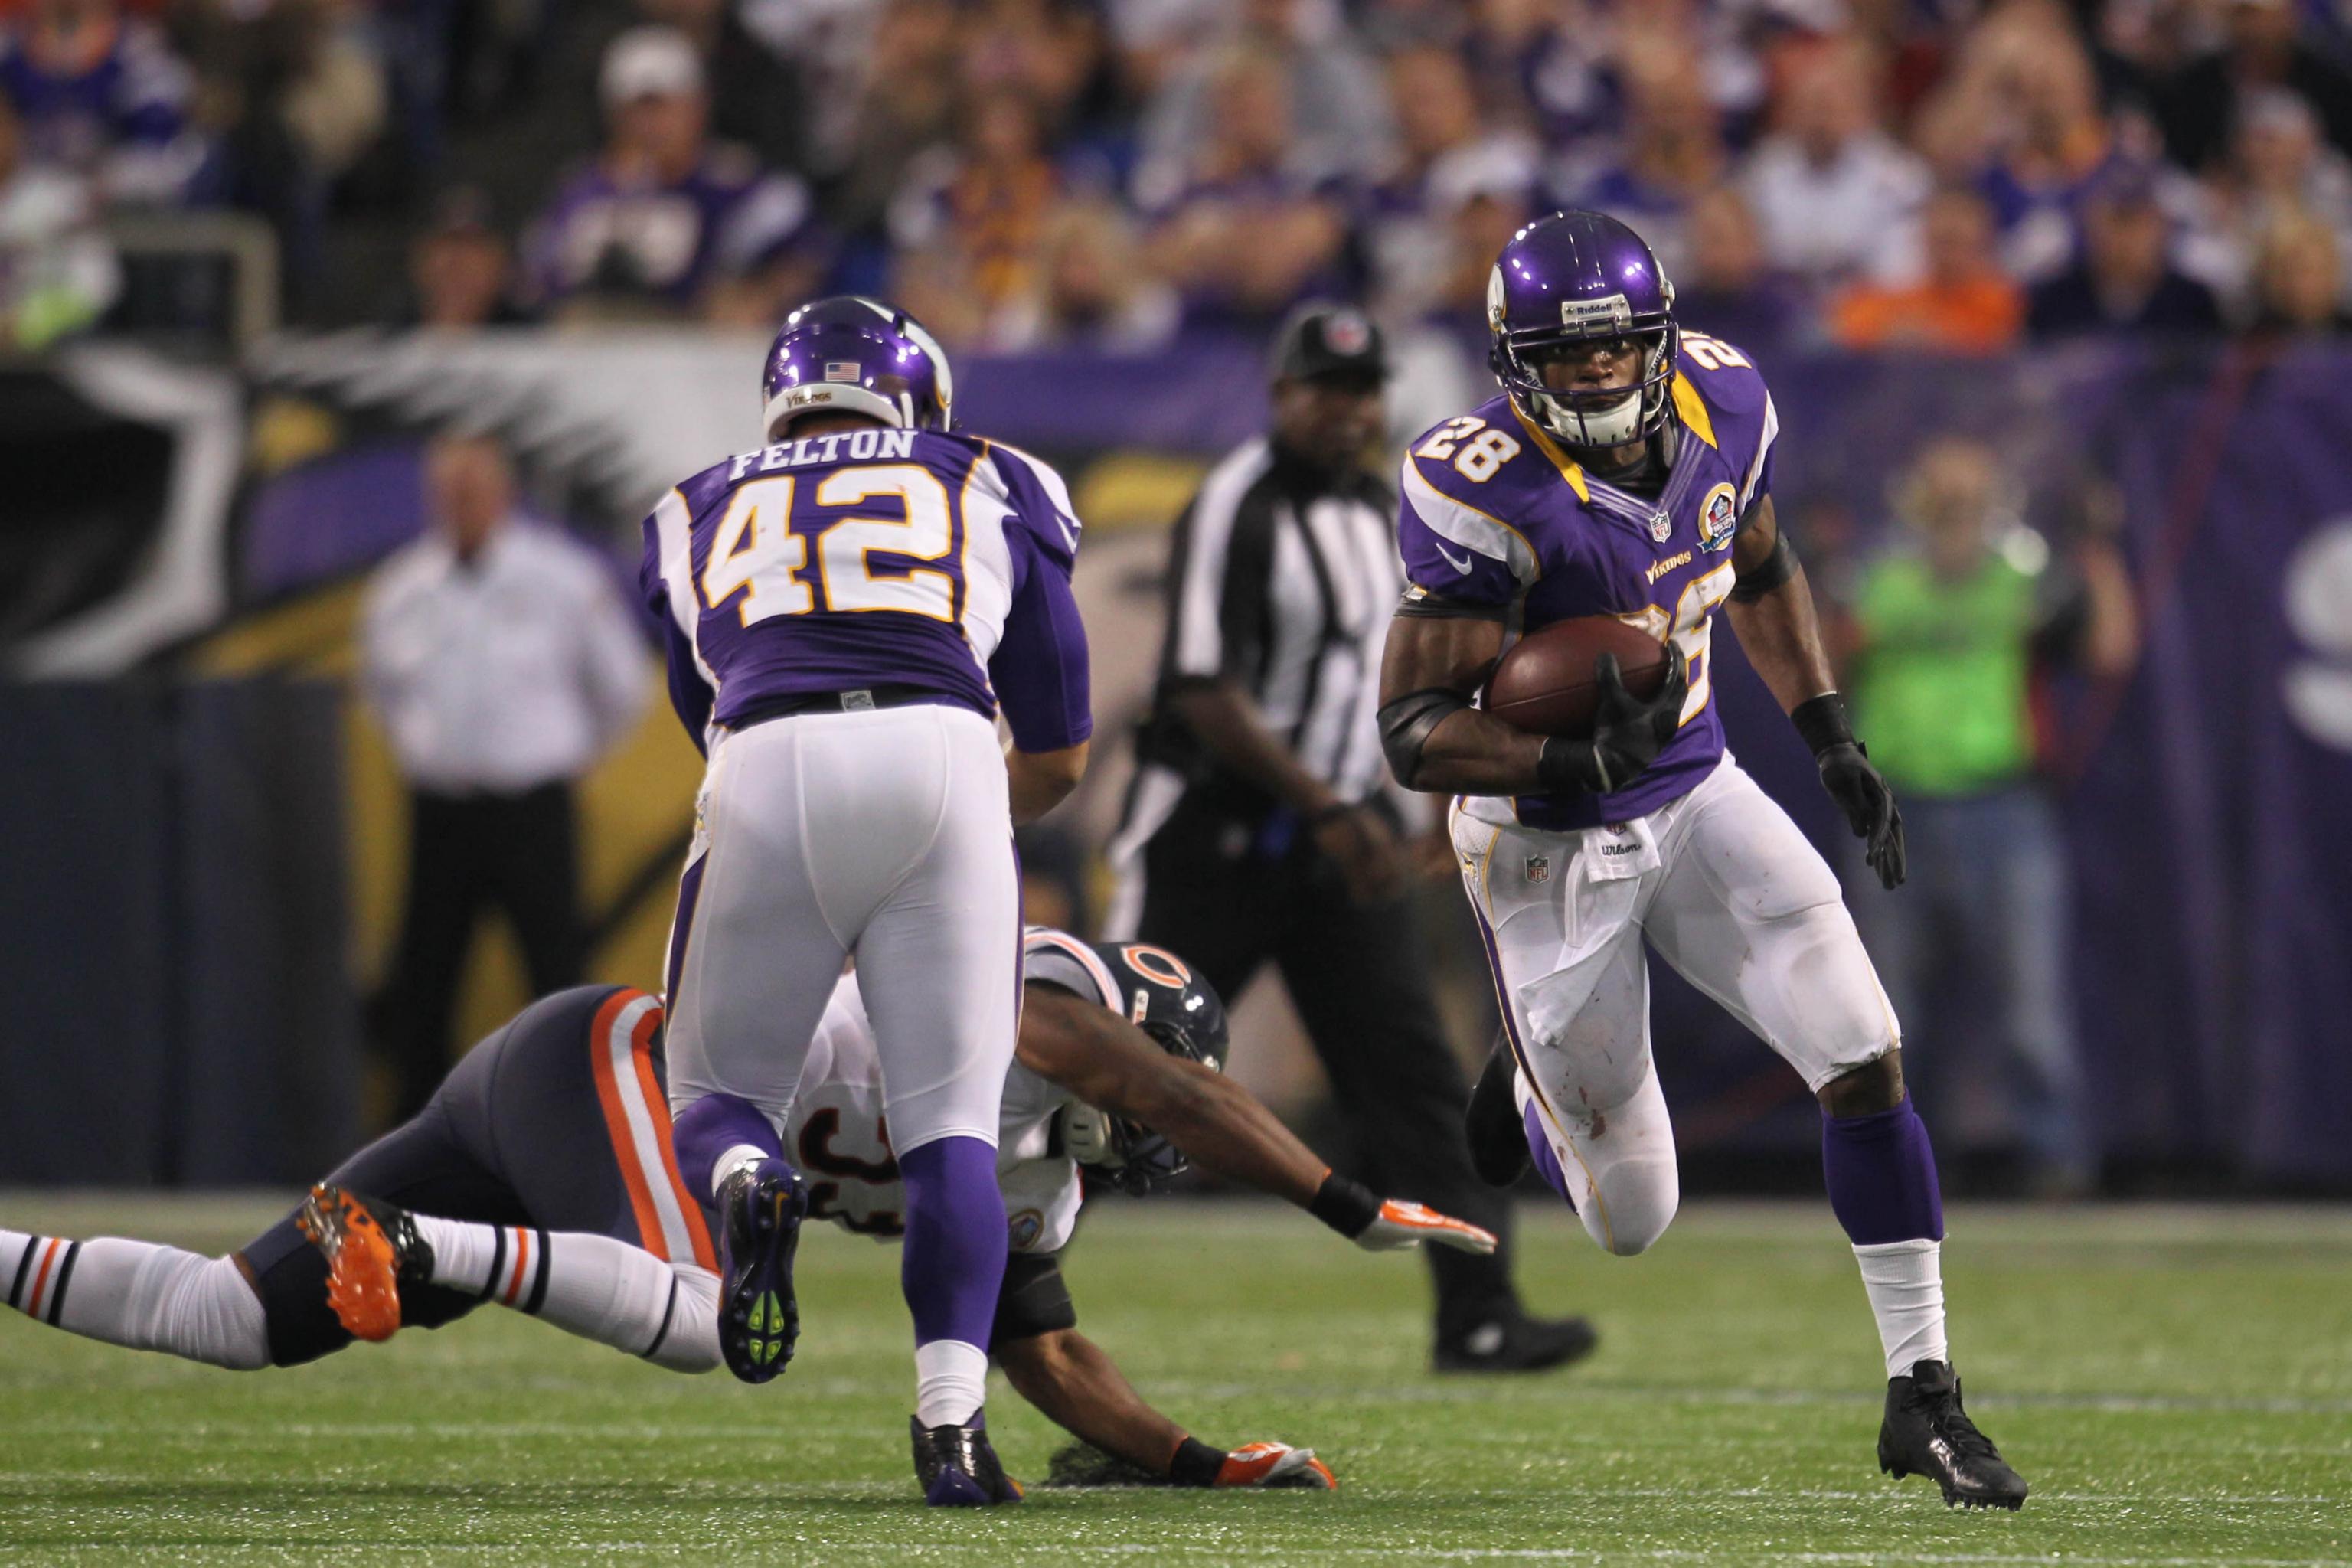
[
  {"x": 848, "y": 610},
  {"x": 1626, "y": 470},
  {"x": 541, "y": 1177}
]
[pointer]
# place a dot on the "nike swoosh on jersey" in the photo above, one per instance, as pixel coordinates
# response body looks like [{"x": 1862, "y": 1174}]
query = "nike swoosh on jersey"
[{"x": 1459, "y": 562}]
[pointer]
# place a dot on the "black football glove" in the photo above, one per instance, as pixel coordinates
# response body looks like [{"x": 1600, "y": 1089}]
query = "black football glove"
[
  {"x": 1627, "y": 734},
  {"x": 1869, "y": 806}
]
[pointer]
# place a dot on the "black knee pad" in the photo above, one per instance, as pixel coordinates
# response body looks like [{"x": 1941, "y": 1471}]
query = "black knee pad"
[{"x": 1035, "y": 1300}]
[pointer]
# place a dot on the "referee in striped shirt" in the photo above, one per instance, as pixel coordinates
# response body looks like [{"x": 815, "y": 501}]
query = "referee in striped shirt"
[{"x": 1258, "y": 828}]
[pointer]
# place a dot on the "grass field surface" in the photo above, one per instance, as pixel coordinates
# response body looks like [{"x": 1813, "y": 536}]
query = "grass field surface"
[{"x": 2177, "y": 1384}]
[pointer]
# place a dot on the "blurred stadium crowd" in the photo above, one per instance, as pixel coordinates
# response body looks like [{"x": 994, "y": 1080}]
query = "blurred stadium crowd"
[{"x": 1116, "y": 173}]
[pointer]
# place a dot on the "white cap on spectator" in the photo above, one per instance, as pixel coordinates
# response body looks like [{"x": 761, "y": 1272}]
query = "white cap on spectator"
[{"x": 650, "y": 62}]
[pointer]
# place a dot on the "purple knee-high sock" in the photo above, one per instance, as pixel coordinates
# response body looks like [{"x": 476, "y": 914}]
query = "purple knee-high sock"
[
  {"x": 709, "y": 1128},
  {"x": 1881, "y": 1174},
  {"x": 951, "y": 1264}
]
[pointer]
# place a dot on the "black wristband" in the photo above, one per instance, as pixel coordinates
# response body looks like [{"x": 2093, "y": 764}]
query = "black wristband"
[
  {"x": 1822, "y": 721},
  {"x": 1346, "y": 1205},
  {"x": 1567, "y": 767},
  {"x": 1195, "y": 1464}
]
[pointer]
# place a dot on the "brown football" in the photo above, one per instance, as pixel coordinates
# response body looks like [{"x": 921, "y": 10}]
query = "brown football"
[{"x": 1545, "y": 683}]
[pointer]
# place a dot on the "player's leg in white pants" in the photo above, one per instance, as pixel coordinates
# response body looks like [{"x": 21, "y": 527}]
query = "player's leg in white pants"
[
  {"x": 888, "y": 835},
  {"x": 1747, "y": 909},
  {"x": 1566, "y": 951},
  {"x": 1749, "y": 913}
]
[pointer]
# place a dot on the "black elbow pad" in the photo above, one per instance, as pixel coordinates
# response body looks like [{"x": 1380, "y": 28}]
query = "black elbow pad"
[
  {"x": 1770, "y": 573},
  {"x": 1406, "y": 724}
]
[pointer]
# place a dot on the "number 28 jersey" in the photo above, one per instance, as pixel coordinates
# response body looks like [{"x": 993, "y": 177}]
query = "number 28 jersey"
[
  {"x": 934, "y": 560},
  {"x": 1494, "y": 514}
]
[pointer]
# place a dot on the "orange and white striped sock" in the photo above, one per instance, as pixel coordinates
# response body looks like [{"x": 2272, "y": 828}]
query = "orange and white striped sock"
[
  {"x": 35, "y": 1270},
  {"x": 137, "y": 1294},
  {"x": 592, "y": 1286}
]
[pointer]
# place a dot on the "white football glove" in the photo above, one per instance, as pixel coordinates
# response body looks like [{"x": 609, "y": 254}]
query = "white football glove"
[
  {"x": 1401, "y": 1223},
  {"x": 1276, "y": 1465}
]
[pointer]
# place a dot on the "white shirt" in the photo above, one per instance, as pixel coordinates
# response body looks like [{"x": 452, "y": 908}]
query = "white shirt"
[
  {"x": 514, "y": 670},
  {"x": 1856, "y": 216}
]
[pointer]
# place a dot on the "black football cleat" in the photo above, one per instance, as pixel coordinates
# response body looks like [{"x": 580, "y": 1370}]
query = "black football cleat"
[
  {"x": 1497, "y": 1133},
  {"x": 956, "y": 1466},
  {"x": 372, "y": 1253},
  {"x": 1927, "y": 1433},
  {"x": 760, "y": 1210},
  {"x": 1516, "y": 1342}
]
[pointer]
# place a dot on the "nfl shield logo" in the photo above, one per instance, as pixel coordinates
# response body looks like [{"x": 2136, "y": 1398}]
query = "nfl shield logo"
[
  {"x": 841, "y": 370},
  {"x": 1662, "y": 527},
  {"x": 1347, "y": 332},
  {"x": 1539, "y": 867}
]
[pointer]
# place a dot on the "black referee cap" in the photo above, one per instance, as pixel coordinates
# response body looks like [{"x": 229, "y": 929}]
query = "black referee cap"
[{"x": 1325, "y": 340}]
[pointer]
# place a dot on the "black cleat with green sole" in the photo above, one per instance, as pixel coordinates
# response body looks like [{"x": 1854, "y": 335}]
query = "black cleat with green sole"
[{"x": 760, "y": 1210}]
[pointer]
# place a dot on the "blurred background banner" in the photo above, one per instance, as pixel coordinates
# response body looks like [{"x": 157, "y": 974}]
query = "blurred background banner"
[{"x": 202, "y": 863}]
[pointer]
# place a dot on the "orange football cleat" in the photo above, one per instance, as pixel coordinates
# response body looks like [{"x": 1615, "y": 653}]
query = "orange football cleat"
[{"x": 361, "y": 1242}]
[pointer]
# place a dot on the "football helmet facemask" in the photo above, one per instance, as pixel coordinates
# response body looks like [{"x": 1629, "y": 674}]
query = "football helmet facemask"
[{"x": 1186, "y": 1018}]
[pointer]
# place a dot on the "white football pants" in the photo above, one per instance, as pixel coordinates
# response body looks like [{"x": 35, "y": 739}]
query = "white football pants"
[
  {"x": 887, "y": 834},
  {"x": 1734, "y": 896}
]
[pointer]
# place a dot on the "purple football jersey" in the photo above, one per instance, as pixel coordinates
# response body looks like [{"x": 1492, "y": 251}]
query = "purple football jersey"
[
  {"x": 1495, "y": 512},
  {"x": 767, "y": 573}
]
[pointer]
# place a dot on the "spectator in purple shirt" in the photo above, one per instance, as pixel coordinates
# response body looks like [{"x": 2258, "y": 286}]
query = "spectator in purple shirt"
[
  {"x": 1674, "y": 152},
  {"x": 1337, "y": 116},
  {"x": 2126, "y": 281},
  {"x": 101, "y": 95},
  {"x": 1727, "y": 287},
  {"x": 666, "y": 222},
  {"x": 1248, "y": 231},
  {"x": 1456, "y": 193}
]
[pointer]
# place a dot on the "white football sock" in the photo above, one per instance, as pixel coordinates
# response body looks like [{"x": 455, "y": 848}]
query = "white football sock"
[
  {"x": 138, "y": 1295},
  {"x": 1906, "y": 1282},
  {"x": 463, "y": 1254},
  {"x": 736, "y": 1157},
  {"x": 950, "y": 1382},
  {"x": 592, "y": 1286}
]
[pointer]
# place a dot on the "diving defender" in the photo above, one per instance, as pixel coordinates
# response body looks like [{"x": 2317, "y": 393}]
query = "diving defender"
[
  {"x": 847, "y": 609},
  {"x": 542, "y": 1179},
  {"x": 1626, "y": 470}
]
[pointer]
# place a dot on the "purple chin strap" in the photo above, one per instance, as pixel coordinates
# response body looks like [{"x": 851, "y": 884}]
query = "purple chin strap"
[
  {"x": 951, "y": 1264},
  {"x": 1881, "y": 1173},
  {"x": 711, "y": 1126}
]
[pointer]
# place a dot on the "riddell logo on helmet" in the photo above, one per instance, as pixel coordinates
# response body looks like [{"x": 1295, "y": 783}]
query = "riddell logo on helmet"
[{"x": 1613, "y": 311}]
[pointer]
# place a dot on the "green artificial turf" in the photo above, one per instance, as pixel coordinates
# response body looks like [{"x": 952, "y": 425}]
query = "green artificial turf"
[{"x": 2176, "y": 1384}]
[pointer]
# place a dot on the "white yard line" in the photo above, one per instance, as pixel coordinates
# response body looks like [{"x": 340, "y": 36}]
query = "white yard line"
[{"x": 979, "y": 1554}]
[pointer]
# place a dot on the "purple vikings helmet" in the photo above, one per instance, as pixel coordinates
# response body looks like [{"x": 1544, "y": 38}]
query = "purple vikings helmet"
[
  {"x": 854, "y": 355},
  {"x": 1572, "y": 278}
]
